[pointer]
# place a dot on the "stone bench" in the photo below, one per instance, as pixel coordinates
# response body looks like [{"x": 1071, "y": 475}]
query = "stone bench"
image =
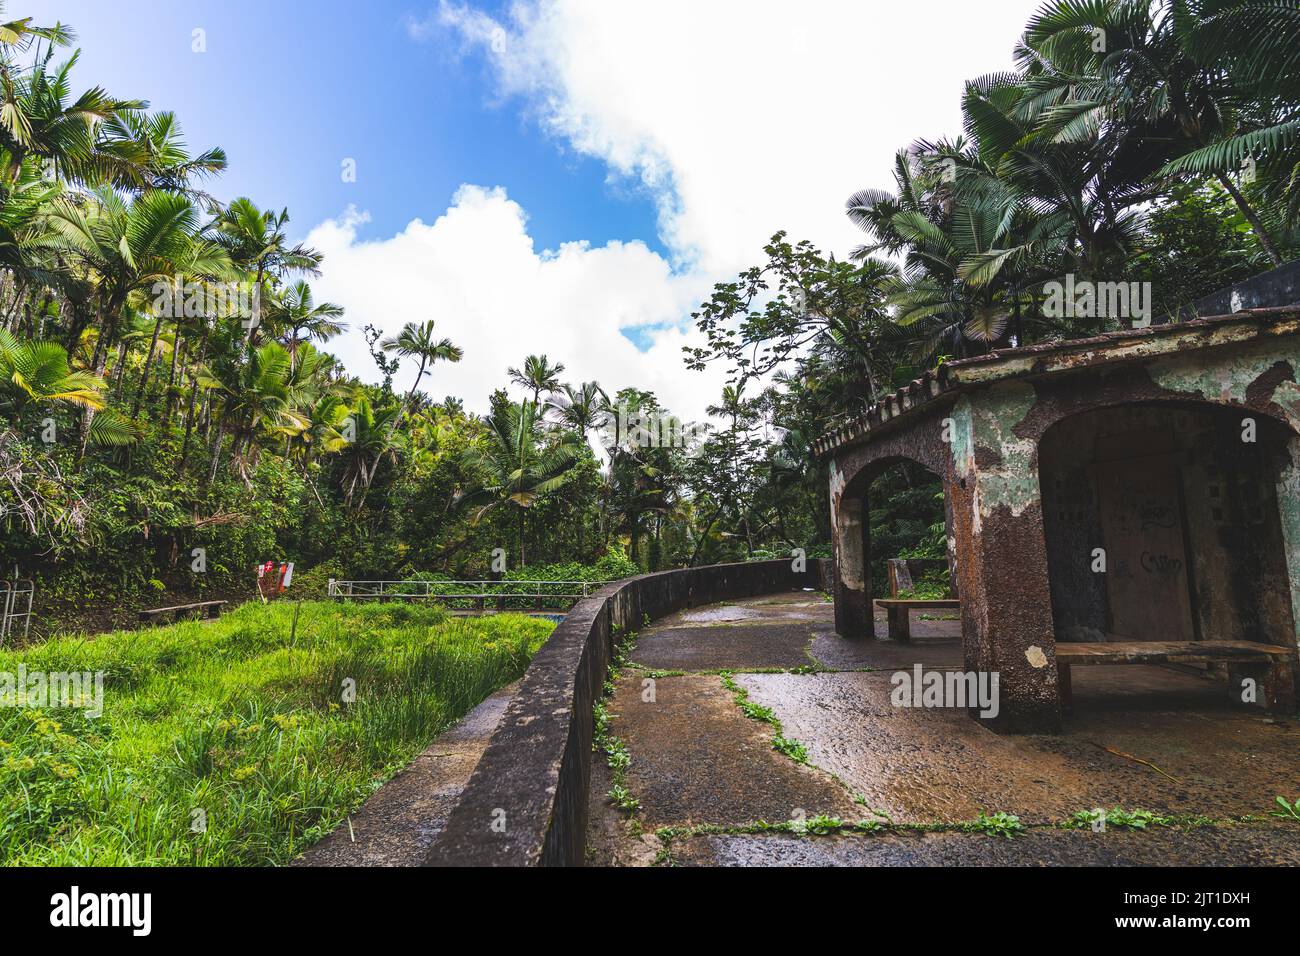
[
  {"x": 1271, "y": 667},
  {"x": 899, "y": 611},
  {"x": 177, "y": 611}
]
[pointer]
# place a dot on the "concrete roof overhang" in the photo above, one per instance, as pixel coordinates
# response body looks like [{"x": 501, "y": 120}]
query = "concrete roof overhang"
[{"x": 1053, "y": 358}]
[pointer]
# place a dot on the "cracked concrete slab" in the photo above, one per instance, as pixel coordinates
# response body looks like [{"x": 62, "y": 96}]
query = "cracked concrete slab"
[
  {"x": 696, "y": 759},
  {"x": 935, "y": 764},
  {"x": 739, "y": 647},
  {"x": 1228, "y": 846}
]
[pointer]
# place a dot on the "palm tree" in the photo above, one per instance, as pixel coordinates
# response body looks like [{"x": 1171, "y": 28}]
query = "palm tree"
[
  {"x": 580, "y": 409},
  {"x": 519, "y": 466},
  {"x": 416, "y": 341},
  {"x": 128, "y": 248},
  {"x": 258, "y": 397},
  {"x": 296, "y": 312},
  {"x": 1177, "y": 86},
  {"x": 38, "y": 120},
  {"x": 150, "y": 154},
  {"x": 36, "y": 373},
  {"x": 369, "y": 437},
  {"x": 537, "y": 375},
  {"x": 256, "y": 242}
]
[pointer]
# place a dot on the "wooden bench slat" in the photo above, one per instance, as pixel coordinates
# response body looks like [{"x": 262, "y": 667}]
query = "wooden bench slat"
[
  {"x": 918, "y": 603},
  {"x": 213, "y": 609},
  {"x": 1272, "y": 666},
  {"x": 1157, "y": 652}
]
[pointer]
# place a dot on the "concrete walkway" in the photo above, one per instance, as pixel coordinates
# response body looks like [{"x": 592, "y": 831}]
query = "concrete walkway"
[
  {"x": 397, "y": 825},
  {"x": 709, "y": 783}
]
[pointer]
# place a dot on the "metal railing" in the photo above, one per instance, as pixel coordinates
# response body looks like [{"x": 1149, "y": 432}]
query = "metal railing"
[
  {"x": 13, "y": 607},
  {"x": 472, "y": 597}
]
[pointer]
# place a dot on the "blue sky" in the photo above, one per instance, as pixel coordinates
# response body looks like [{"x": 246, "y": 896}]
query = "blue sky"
[
  {"x": 559, "y": 176},
  {"x": 295, "y": 94}
]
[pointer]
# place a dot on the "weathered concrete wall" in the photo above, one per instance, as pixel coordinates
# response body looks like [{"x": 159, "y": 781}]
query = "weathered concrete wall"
[
  {"x": 1277, "y": 287},
  {"x": 1235, "y": 569},
  {"x": 982, "y": 431},
  {"x": 526, "y": 803}
]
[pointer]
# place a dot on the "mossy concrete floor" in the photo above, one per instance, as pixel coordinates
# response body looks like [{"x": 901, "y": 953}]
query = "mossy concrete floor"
[{"x": 703, "y": 773}]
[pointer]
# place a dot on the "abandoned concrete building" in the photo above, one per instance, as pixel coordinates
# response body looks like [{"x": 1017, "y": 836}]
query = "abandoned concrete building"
[{"x": 1128, "y": 498}]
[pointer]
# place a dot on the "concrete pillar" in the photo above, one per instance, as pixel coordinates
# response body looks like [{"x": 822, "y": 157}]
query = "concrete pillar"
[
  {"x": 1288, "y": 507},
  {"x": 849, "y": 534},
  {"x": 997, "y": 517}
]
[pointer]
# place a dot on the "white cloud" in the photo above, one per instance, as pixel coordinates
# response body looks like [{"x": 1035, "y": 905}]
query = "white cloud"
[
  {"x": 745, "y": 116},
  {"x": 476, "y": 273},
  {"x": 740, "y": 117}
]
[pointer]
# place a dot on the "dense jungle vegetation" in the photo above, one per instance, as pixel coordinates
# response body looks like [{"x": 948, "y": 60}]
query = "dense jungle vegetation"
[{"x": 170, "y": 415}]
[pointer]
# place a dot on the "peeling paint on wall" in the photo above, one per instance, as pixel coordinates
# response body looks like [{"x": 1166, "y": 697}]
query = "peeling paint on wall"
[
  {"x": 837, "y": 490},
  {"x": 1012, "y": 482},
  {"x": 962, "y": 440},
  {"x": 1228, "y": 379}
]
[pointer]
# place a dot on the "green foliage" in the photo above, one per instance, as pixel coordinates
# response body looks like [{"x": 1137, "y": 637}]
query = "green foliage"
[
  {"x": 1289, "y": 810},
  {"x": 232, "y": 718},
  {"x": 780, "y": 743},
  {"x": 1117, "y": 817},
  {"x": 999, "y": 824}
]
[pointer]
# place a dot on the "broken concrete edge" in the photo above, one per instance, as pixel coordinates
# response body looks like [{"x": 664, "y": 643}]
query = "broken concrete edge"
[{"x": 526, "y": 803}]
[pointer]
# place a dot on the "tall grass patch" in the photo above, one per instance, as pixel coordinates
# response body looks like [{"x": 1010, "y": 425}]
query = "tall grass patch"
[{"x": 238, "y": 741}]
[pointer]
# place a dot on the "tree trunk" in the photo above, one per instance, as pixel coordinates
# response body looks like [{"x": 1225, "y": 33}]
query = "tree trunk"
[
  {"x": 120, "y": 369},
  {"x": 148, "y": 367},
  {"x": 1252, "y": 217},
  {"x": 215, "y": 453},
  {"x": 194, "y": 391},
  {"x": 178, "y": 348}
]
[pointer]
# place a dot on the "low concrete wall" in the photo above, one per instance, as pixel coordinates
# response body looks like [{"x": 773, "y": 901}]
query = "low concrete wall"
[{"x": 527, "y": 801}]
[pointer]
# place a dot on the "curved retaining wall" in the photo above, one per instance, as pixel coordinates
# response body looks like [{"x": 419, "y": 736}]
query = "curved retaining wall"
[{"x": 526, "y": 803}]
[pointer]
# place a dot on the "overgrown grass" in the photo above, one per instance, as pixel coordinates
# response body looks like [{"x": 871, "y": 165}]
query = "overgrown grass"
[{"x": 228, "y": 742}]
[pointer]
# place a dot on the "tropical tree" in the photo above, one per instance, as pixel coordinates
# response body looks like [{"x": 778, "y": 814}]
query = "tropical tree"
[
  {"x": 39, "y": 119},
  {"x": 416, "y": 340},
  {"x": 128, "y": 248},
  {"x": 538, "y": 375},
  {"x": 1170, "y": 87},
  {"x": 520, "y": 465},
  {"x": 369, "y": 437},
  {"x": 295, "y": 311},
  {"x": 256, "y": 243},
  {"x": 579, "y": 409},
  {"x": 34, "y": 374},
  {"x": 257, "y": 398}
]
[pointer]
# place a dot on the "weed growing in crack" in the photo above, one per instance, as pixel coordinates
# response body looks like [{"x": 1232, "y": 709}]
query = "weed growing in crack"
[
  {"x": 780, "y": 743},
  {"x": 1289, "y": 811},
  {"x": 617, "y": 756},
  {"x": 999, "y": 824},
  {"x": 1117, "y": 817}
]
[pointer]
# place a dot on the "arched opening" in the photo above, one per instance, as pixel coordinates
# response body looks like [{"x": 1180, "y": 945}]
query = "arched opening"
[
  {"x": 908, "y": 526},
  {"x": 1162, "y": 523},
  {"x": 892, "y": 535}
]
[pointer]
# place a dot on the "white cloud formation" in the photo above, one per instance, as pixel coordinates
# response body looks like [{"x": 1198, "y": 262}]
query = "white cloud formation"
[
  {"x": 740, "y": 117},
  {"x": 475, "y": 272},
  {"x": 745, "y": 116}
]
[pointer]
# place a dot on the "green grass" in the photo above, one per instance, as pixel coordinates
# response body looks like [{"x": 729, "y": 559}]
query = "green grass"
[{"x": 233, "y": 719}]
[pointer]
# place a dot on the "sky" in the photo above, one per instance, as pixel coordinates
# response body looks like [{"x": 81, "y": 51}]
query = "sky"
[{"x": 545, "y": 176}]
